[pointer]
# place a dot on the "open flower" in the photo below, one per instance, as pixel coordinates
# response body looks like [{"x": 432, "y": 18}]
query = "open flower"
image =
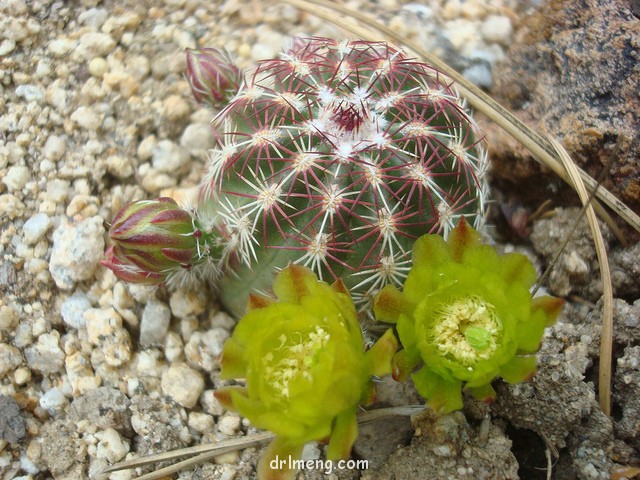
[
  {"x": 467, "y": 315},
  {"x": 305, "y": 367}
]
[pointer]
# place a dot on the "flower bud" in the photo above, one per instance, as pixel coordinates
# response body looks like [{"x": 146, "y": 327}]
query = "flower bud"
[
  {"x": 152, "y": 238},
  {"x": 213, "y": 77}
]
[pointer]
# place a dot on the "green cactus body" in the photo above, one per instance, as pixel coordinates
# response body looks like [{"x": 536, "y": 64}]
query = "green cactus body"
[{"x": 337, "y": 156}]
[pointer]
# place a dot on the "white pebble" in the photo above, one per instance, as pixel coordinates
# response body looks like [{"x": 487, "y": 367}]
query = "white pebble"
[
  {"x": 111, "y": 446},
  {"x": 154, "y": 323},
  {"x": 105, "y": 330},
  {"x": 7, "y": 46},
  {"x": 95, "y": 44},
  {"x": 35, "y": 228},
  {"x": 53, "y": 401},
  {"x": 201, "y": 422},
  {"x": 60, "y": 47},
  {"x": 10, "y": 206},
  {"x": 86, "y": 118},
  {"x": 497, "y": 29},
  {"x": 182, "y": 384},
  {"x": 185, "y": 303},
  {"x": 73, "y": 308},
  {"x": 77, "y": 249},
  {"x": 31, "y": 93},
  {"x": 10, "y": 358},
  {"x": 98, "y": 66},
  {"x": 16, "y": 178},
  {"x": 197, "y": 138},
  {"x": 170, "y": 158},
  {"x": 54, "y": 148},
  {"x": 46, "y": 356},
  {"x": 229, "y": 423}
]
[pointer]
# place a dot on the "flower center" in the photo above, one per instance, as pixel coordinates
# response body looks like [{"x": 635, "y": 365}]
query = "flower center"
[
  {"x": 293, "y": 359},
  {"x": 466, "y": 330}
]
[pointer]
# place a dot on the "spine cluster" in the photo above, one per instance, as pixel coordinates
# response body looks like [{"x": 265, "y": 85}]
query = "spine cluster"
[{"x": 337, "y": 156}]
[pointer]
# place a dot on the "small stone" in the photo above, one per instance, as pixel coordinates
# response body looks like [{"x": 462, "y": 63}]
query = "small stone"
[
  {"x": 12, "y": 427},
  {"x": 77, "y": 249},
  {"x": 104, "y": 407},
  {"x": 173, "y": 346},
  {"x": 261, "y": 51},
  {"x": 185, "y": 304},
  {"x": 175, "y": 108},
  {"x": 80, "y": 374},
  {"x": 10, "y": 206},
  {"x": 46, "y": 356},
  {"x": 8, "y": 317},
  {"x": 53, "y": 401},
  {"x": 229, "y": 423},
  {"x": 170, "y": 158},
  {"x": 154, "y": 181},
  {"x": 197, "y": 138},
  {"x": 497, "y": 29},
  {"x": 182, "y": 384},
  {"x": 480, "y": 75},
  {"x": 10, "y": 358},
  {"x": 31, "y": 93},
  {"x": 57, "y": 190},
  {"x": 211, "y": 404},
  {"x": 54, "y": 148},
  {"x": 60, "y": 47},
  {"x": 201, "y": 422},
  {"x": 16, "y": 178},
  {"x": 203, "y": 349},
  {"x": 35, "y": 228},
  {"x": 95, "y": 44},
  {"x": 98, "y": 66},
  {"x": 86, "y": 118},
  {"x": 120, "y": 167},
  {"x": 73, "y": 308},
  {"x": 111, "y": 447},
  {"x": 7, "y": 46},
  {"x": 105, "y": 330},
  {"x": 154, "y": 324},
  {"x": 146, "y": 148},
  {"x": 94, "y": 17},
  {"x": 22, "y": 375}
]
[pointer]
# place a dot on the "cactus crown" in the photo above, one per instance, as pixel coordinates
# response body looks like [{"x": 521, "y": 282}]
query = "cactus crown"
[{"x": 337, "y": 156}]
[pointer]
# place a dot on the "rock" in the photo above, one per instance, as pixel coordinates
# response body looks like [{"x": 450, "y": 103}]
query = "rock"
[
  {"x": 46, "y": 356},
  {"x": 229, "y": 423},
  {"x": 204, "y": 348},
  {"x": 11, "y": 206},
  {"x": 197, "y": 138},
  {"x": 154, "y": 324},
  {"x": 497, "y": 29},
  {"x": 183, "y": 384},
  {"x": 570, "y": 74},
  {"x": 73, "y": 308},
  {"x": 53, "y": 401},
  {"x": 94, "y": 44},
  {"x": 186, "y": 303},
  {"x": 201, "y": 422},
  {"x": 447, "y": 447},
  {"x": 159, "y": 425},
  {"x": 77, "y": 249},
  {"x": 63, "y": 451},
  {"x": 170, "y": 158},
  {"x": 12, "y": 427},
  {"x": 627, "y": 395},
  {"x": 35, "y": 228},
  {"x": 111, "y": 446},
  {"x": 87, "y": 118},
  {"x": 104, "y": 407},
  {"x": 105, "y": 331}
]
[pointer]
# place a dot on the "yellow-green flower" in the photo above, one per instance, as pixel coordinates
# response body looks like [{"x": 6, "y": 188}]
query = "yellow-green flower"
[
  {"x": 467, "y": 315},
  {"x": 305, "y": 366}
]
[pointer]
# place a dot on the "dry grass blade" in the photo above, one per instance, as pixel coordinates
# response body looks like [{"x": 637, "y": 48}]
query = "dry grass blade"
[
  {"x": 202, "y": 452},
  {"x": 604, "y": 380},
  {"x": 539, "y": 147},
  {"x": 208, "y": 451}
]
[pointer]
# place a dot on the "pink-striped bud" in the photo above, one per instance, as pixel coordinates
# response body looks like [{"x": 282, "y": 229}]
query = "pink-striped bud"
[
  {"x": 151, "y": 239},
  {"x": 213, "y": 76}
]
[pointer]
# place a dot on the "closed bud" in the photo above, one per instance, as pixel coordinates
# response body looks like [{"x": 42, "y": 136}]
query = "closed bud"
[
  {"x": 152, "y": 238},
  {"x": 213, "y": 76}
]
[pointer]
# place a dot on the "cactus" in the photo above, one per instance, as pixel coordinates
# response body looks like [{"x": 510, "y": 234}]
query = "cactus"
[{"x": 337, "y": 156}]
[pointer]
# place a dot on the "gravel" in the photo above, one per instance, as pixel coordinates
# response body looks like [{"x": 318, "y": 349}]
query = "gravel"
[{"x": 95, "y": 111}]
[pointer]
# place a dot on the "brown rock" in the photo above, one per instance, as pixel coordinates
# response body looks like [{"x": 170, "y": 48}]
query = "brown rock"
[{"x": 573, "y": 72}]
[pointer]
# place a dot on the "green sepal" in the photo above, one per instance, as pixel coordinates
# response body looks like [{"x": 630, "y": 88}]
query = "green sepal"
[
  {"x": 484, "y": 393},
  {"x": 404, "y": 362},
  {"x": 345, "y": 431},
  {"x": 519, "y": 369},
  {"x": 444, "y": 396},
  {"x": 280, "y": 449},
  {"x": 389, "y": 304},
  {"x": 382, "y": 352},
  {"x": 551, "y": 306}
]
